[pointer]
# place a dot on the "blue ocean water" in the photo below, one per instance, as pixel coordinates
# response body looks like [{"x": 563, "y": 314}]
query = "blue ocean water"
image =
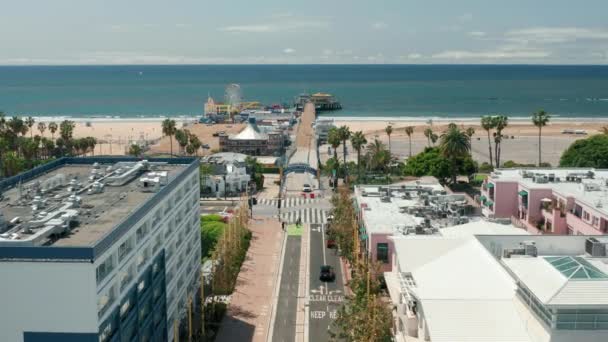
[{"x": 364, "y": 90}]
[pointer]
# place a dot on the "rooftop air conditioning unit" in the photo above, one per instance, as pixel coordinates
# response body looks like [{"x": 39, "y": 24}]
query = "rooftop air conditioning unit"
[
  {"x": 595, "y": 248},
  {"x": 529, "y": 248}
]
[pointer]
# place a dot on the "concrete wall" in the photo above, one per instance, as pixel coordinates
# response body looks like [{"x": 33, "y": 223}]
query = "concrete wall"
[
  {"x": 505, "y": 199},
  {"x": 534, "y": 202},
  {"x": 374, "y": 239},
  {"x": 47, "y": 297}
]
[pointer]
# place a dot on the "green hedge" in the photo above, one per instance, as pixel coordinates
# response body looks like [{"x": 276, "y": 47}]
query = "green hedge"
[{"x": 270, "y": 170}]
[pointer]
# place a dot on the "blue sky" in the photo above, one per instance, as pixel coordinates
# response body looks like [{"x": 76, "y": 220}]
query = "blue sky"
[{"x": 311, "y": 31}]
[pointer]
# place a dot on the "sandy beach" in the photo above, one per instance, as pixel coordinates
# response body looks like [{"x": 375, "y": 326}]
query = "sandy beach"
[
  {"x": 115, "y": 135},
  {"x": 521, "y": 145}
]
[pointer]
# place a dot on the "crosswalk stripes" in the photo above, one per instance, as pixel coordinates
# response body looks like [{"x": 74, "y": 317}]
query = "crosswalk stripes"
[
  {"x": 306, "y": 215},
  {"x": 289, "y": 202}
]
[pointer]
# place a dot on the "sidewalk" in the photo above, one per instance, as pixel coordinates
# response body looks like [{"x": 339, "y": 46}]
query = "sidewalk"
[{"x": 249, "y": 313}]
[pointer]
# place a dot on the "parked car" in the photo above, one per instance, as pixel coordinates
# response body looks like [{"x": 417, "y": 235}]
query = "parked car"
[
  {"x": 216, "y": 134},
  {"x": 205, "y": 146},
  {"x": 331, "y": 243},
  {"x": 306, "y": 188},
  {"x": 327, "y": 273}
]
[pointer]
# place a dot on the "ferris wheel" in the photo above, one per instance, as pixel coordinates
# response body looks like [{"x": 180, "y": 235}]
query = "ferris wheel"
[{"x": 233, "y": 94}]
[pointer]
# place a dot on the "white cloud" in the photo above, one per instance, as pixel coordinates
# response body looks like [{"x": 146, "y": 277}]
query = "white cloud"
[
  {"x": 497, "y": 54},
  {"x": 287, "y": 26},
  {"x": 477, "y": 34},
  {"x": 380, "y": 25},
  {"x": 289, "y": 50},
  {"x": 413, "y": 56},
  {"x": 553, "y": 35}
]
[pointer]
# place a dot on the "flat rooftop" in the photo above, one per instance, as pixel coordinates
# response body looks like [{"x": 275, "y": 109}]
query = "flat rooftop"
[
  {"x": 407, "y": 207},
  {"x": 26, "y": 208},
  {"x": 587, "y": 185}
]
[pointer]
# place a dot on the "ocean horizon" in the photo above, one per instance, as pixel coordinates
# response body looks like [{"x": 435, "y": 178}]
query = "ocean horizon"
[{"x": 395, "y": 91}]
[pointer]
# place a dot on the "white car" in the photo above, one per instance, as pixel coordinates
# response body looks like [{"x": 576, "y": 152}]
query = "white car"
[{"x": 307, "y": 188}]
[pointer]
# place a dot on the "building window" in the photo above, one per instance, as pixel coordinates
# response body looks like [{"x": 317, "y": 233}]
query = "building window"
[
  {"x": 125, "y": 248},
  {"x": 382, "y": 252},
  {"x": 596, "y": 221},
  {"x": 570, "y": 231},
  {"x": 586, "y": 215},
  {"x": 105, "y": 268}
]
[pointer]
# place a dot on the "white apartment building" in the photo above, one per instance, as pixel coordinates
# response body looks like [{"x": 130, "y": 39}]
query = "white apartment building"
[
  {"x": 99, "y": 249},
  {"x": 483, "y": 282}
]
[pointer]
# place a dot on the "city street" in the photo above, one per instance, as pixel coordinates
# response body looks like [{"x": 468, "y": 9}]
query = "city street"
[{"x": 325, "y": 298}]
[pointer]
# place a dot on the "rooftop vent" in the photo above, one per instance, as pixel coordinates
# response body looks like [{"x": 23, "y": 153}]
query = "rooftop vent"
[
  {"x": 529, "y": 248},
  {"x": 595, "y": 247},
  {"x": 591, "y": 187}
]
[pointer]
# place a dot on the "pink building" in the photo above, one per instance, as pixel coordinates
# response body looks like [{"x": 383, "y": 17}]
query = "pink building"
[
  {"x": 549, "y": 201},
  {"x": 387, "y": 211}
]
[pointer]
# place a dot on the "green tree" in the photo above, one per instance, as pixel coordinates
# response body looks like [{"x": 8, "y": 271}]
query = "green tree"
[
  {"x": 41, "y": 128},
  {"x": 344, "y": 134},
  {"x": 380, "y": 157},
  {"x": 589, "y": 152},
  {"x": 135, "y": 150},
  {"x": 194, "y": 145},
  {"x": 470, "y": 131},
  {"x": 540, "y": 119},
  {"x": 409, "y": 130},
  {"x": 53, "y": 128},
  {"x": 255, "y": 170},
  {"x": 431, "y": 162},
  {"x": 206, "y": 170},
  {"x": 428, "y": 133},
  {"x": 169, "y": 129},
  {"x": 487, "y": 123},
  {"x": 500, "y": 123},
  {"x": 389, "y": 131},
  {"x": 454, "y": 145},
  {"x": 358, "y": 141},
  {"x": 334, "y": 139},
  {"x": 29, "y": 122},
  {"x": 181, "y": 136}
]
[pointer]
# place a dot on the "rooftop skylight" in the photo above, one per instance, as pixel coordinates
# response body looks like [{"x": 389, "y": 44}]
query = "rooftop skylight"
[{"x": 575, "y": 267}]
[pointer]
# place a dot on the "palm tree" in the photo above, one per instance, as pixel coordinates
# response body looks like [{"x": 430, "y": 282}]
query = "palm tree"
[
  {"x": 334, "y": 139},
  {"x": 194, "y": 145},
  {"x": 53, "y": 128},
  {"x": 454, "y": 144},
  {"x": 487, "y": 123},
  {"x": 428, "y": 133},
  {"x": 29, "y": 122},
  {"x": 181, "y": 135},
  {"x": 379, "y": 155},
  {"x": 135, "y": 150},
  {"x": 344, "y": 133},
  {"x": 470, "y": 131},
  {"x": 409, "y": 130},
  {"x": 41, "y": 128},
  {"x": 169, "y": 130},
  {"x": 389, "y": 131},
  {"x": 358, "y": 141},
  {"x": 540, "y": 119},
  {"x": 500, "y": 123}
]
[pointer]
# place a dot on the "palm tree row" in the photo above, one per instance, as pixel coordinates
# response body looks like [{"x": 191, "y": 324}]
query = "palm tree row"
[
  {"x": 188, "y": 142},
  {"x": 18, "y": 152},
  {"x": 377, "y": 156},
  {"x": 499, "y": 122}
]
